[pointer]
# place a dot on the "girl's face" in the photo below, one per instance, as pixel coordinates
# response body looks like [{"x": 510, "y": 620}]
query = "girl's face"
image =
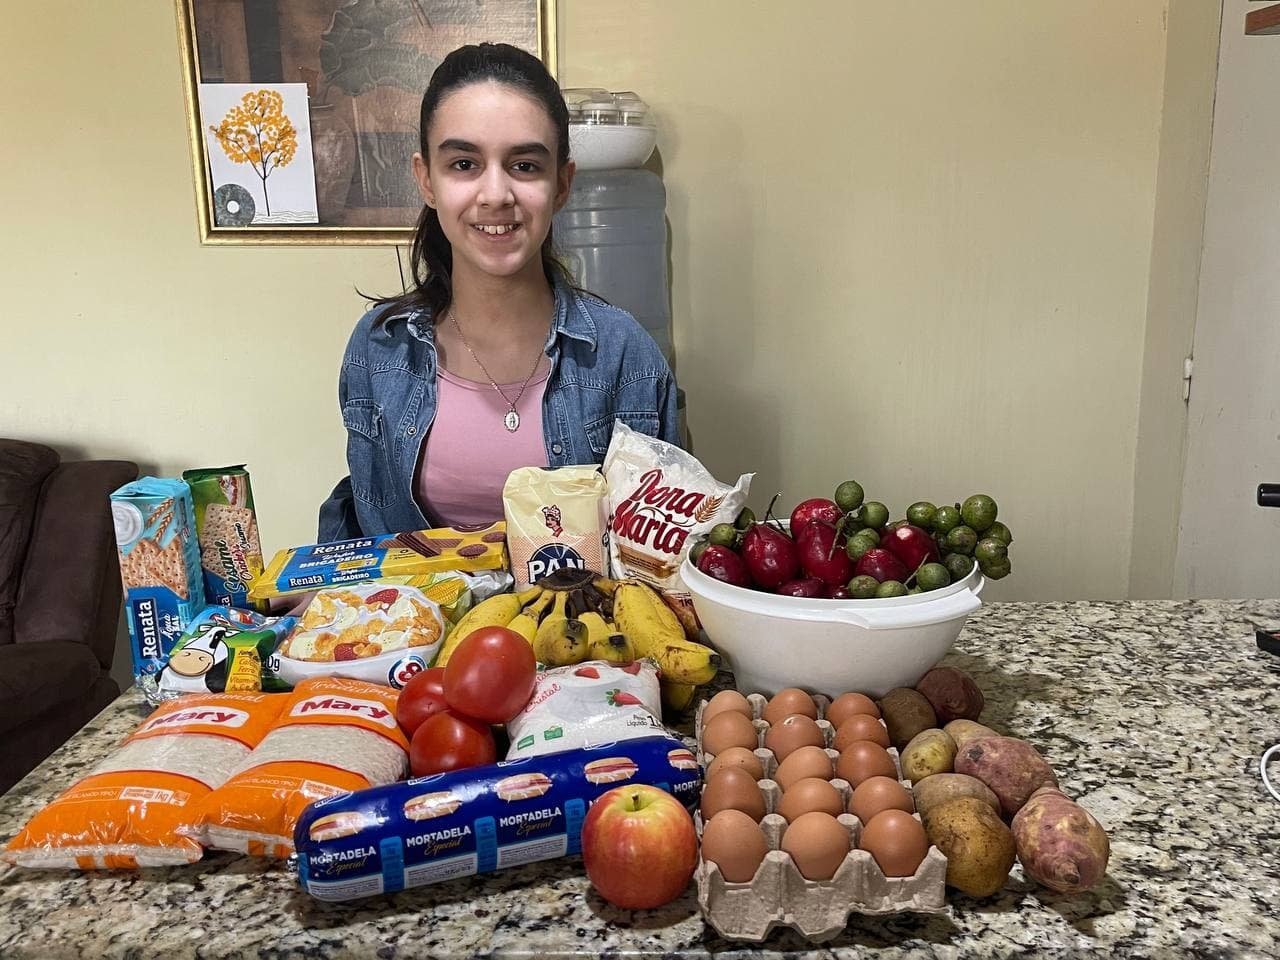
[{"x": 492, "y": 175}]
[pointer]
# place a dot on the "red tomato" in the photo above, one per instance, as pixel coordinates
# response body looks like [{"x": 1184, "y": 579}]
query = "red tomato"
[
  {"x": 491, "y": 675},
  {"x": 422, "y": 697},
  {"x": 447, "y": 741}
]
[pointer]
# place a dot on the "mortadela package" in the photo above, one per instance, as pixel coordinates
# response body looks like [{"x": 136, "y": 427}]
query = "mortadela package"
[{"x": 661, "y": 500}]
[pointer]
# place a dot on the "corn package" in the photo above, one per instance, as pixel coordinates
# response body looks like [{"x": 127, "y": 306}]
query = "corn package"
[{"x": 127, "y": 811}]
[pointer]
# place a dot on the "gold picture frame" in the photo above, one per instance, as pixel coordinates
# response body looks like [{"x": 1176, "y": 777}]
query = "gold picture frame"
[{"x": 214, "y": 39}]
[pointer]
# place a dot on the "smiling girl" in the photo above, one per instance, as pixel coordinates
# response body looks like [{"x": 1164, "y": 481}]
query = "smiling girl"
[{"x": 492, "y": 360}]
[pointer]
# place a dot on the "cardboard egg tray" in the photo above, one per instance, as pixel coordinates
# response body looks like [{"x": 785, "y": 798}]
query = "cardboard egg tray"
[{"x": 778, "y": 895}]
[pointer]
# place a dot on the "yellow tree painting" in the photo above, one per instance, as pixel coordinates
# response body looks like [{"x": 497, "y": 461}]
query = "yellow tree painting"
[{"x": 258, "y": 132}]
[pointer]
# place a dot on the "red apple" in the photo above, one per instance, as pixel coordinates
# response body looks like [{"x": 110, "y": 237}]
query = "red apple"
[
  {"x": 910, "y": 544},
  {"x": 639, "y": 847}
]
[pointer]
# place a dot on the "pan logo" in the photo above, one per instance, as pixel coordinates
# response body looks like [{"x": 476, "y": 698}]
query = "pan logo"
[
  {"x": 551, "y": 557},
  {"x": 405, "y": 669}
]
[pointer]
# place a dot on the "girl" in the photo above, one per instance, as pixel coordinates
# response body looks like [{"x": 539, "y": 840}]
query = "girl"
[{"x": 492, "y": 360}]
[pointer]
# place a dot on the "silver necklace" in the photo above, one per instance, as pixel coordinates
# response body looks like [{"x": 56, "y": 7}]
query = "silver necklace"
[{"x": 512, "y": 420}]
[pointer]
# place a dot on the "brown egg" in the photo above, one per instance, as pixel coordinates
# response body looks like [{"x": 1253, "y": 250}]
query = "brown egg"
[
  {"x": 860, "y": 727},
  {"x": 802, "y": 764},
  {"x": 739, "y": 757},
  {"x": 862, "y": 760},
  {"x": 806, "y": 796},
  {"x": 789, "y": 701},
  {"x": 876, "y": 794},
  {"x": 897, "y": 842},
  {"x": 791, "y": 733},
  {"x": 732, "y": 789},
  {"x": 729, "y": 729},
  {"x": 848, "y": 704},
  {"x": 730, "y": 700},
  {"x": 818, "y": 843},
  {"x": 734, "y": 843}
]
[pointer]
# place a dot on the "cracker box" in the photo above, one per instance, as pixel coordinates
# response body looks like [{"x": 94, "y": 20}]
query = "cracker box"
[
  {"x": 408, "y": 555},
  {"x": 227, "y": 527},
  {"x": 159, "y": 566}
]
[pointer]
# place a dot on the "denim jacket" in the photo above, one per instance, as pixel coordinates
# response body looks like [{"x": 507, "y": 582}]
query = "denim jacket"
[{"x": 604, "y": 368}]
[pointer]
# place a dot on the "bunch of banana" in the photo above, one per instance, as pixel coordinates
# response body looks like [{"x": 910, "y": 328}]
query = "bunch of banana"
[
  {"x": 496, "y": 611},
  {"x": 652, "y": 627}
]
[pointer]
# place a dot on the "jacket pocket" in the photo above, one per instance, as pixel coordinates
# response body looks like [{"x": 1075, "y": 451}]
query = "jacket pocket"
[
  {"x": 367, "y": 456},
  {"x": 600, "y": 432}
]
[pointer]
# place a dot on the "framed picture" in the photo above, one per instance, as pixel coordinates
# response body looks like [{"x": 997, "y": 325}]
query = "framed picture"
[{"x": 303, "y": 114}]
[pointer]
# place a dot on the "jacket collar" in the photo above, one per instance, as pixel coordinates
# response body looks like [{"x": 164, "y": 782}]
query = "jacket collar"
[{"x": 572, "y": 318}]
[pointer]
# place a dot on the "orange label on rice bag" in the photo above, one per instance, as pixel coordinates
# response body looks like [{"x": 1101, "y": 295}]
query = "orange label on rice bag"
[
  {"x": 331, "y": 701},
  {"x": 245, "y": 717}
]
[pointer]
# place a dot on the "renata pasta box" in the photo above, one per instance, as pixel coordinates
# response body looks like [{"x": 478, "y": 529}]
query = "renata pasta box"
[{"x": 227, "y": 528}]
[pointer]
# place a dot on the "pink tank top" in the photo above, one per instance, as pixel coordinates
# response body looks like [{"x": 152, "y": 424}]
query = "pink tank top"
[{"x": 469, "y": 451}]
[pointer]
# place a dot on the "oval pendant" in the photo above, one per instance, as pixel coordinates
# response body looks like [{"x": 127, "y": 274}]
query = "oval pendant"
[{"x": 512, "y": 421}]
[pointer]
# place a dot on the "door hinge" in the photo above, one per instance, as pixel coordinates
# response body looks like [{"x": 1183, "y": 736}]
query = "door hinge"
[{"x": 1186, "y": 380}]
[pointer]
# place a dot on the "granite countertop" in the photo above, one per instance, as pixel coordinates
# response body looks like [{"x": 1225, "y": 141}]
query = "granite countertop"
[{"x": 1154, "y": 714}]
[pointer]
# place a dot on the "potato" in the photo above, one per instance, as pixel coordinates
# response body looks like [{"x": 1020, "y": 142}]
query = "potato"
[
  {"x": 952, "y": 694},
  {"x": 978, "y": 846},
  {"x": 930, "y": 752},
  {"x": 962, "y": 731},
  {"x": 905, "y": 713},
  {"x": 1011, "y": 768},
  {"x": 932, "y": 792},
  {"x": 1059, "y": 842}
]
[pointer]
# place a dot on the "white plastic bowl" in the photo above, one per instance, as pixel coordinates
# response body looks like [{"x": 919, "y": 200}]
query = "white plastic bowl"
[
  {"x": 830, "y": 646},
  {"x": 606, "y": 146}
]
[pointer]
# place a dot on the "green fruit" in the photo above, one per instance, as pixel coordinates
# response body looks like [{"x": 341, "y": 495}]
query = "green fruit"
[
  {"x": 961, "y": 539},
  {"x": 933, "y": 576},
  {"x": 911, "y": 591},
  {"x": 995, "y": 571},
  {"x": 863, "y": 587},
  {"x": 991, "y": 550},
  {"x": 745, "y": 519},
  {"x": 723, "y": 535},
  {"x": 874, "y": 514},
  {"x": 890, "y": 588},
  {"x": 946, "y": 519},
  {"x": 860, "y": 543},
  {"x": 698, "y": 549},
  {"x": 921, "y": 513},
  {"x": 896, "y": 524},
  {"x": 958, "y": 565},
  {"x": 999, "y": 532},
  {"x": 849, "y": 496},
  {"x": 979, "y": 512}
]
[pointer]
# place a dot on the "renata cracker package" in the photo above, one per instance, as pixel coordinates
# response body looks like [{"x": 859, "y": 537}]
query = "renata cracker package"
[
  {"x": 661, "y": 500},
  {"x": 159, "y": 566},
  {"x": 555, "y": 518},
  {"x": 227, "y": 527}
]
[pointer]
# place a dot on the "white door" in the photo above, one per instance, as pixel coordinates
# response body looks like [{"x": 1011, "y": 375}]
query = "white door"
[{"x": 1227, "y": 545}]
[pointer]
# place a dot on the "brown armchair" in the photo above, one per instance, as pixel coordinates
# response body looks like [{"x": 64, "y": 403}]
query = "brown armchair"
[{"x": 60, "y": 599}]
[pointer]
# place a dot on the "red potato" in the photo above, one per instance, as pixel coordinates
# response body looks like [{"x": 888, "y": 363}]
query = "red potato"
[
  {"x": 952, "y": 694},
  {"x": 1013, "y": 769},
  {"x": 1059, "y": 842}
]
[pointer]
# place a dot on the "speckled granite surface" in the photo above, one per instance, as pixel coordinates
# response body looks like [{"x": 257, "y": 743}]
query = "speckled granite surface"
[{"x": 1154, "y": 714}]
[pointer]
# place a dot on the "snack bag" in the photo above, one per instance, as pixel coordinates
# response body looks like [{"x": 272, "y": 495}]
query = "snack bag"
[
  {"x": 555, "y": 518},
  {"x": 230, "y": 554},
  {"x": 332, "y": 736},
  {"x": 371, "y": 631},
  {"x": 223, "y": 650},
  {"x": 159, "y": 566},
  {"x": 586, "y": 704},
  {"x": 423, "y": 553},
  {"x": 661, "y": 500},
  {"x": 126, "y": 812}
]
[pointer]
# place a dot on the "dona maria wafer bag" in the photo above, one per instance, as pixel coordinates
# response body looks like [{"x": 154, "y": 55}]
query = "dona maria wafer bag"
[{"x": 661, "y": 500}]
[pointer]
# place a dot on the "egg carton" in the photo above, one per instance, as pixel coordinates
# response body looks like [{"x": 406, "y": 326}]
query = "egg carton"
[{"x": 779, "y": 895}]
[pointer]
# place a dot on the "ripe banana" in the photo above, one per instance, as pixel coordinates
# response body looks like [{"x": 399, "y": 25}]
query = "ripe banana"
[
  {"x": 654, "y": 630},
  {"x": 559, "y": 640},
  {"x": 604, "y": 642},
  {"x": 525, "y": 622},
  {"x": 676, "y": 697},
  {"x": 496, "y": 611}
]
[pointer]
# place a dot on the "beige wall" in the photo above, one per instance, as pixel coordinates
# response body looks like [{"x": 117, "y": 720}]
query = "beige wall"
[{"x": 910, "y": 245}]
